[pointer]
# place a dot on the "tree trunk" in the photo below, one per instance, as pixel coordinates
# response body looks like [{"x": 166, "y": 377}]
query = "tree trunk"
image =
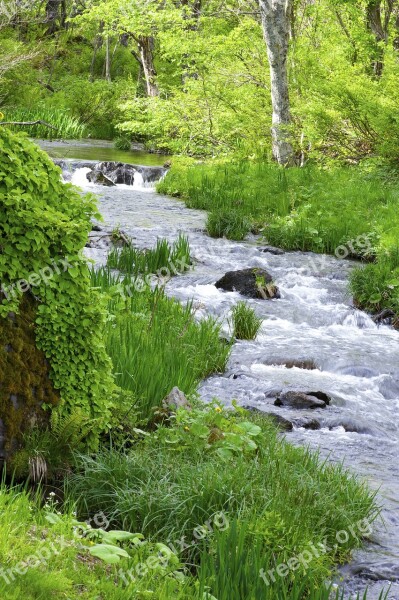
[
  {"x": 55, "y": 10},
  {"x": 374, "y": 23},
  {"x": 146, "y": 50},
  {"x": 191, "y": 12},
  {"x": 107, "y": 59},
  {"x": 275, "y": 23}
]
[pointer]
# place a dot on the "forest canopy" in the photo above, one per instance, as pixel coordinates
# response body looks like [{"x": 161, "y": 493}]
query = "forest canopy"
[{"x": 192, "y": 76}]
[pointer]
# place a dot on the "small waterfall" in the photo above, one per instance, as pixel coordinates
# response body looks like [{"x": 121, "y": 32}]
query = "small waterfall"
[{"x": 138, "y": 177}]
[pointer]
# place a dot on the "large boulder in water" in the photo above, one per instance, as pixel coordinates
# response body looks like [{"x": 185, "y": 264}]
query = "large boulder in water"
[
  {"x": 252, "y": 283},
  {"x": 99, "y": 178},
  {"x": 301, "y": 399},
  {"x": 118, "y": 172}
]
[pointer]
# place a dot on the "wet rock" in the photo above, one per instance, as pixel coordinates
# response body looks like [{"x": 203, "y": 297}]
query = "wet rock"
[
  {"x": 176, "y": 399},
  {"x": 99, "y": 178},
  {"x": 117, "y": 172},
  {"x": 96, "y": 228},
  {"x": 307, "y": 423},
  {"x": 280, "y": 422},
  {"x": 302, "y": 399},
  {"x": 384, "y": 317},
  {"x": 272, "y": 250},
  {"x": 252, "y": 283}
]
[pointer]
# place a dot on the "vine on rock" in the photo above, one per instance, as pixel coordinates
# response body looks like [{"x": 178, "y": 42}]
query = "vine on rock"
[{"x": 44, "y": 225}]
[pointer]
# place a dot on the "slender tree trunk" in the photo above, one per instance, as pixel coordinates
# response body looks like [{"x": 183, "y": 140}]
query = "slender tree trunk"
[
  {"x": 97, "y": 45},
  {"x": 146, "y": 51},
  {"x": 192, "y": 12},
  {"x": 55, "y": 10},
  {"x": 107, "y": 59},
  {"x": 276, "y": 27},
  {"x": 374, "y": 23}
]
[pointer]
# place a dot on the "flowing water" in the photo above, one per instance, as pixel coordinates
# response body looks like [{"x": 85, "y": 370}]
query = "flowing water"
[{"x": 312, "y": 325}]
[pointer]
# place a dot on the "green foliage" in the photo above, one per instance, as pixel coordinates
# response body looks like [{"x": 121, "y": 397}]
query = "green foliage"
[
  {"x": 245, "y": 322},
  {"x": 376, "y": 286},
  {"x": 44, "y": 225},
  {"x": 155, "y": 343},
  {"x": 66, "y": 126},
  {"x": 46, "y": 454},
  {"x": 232, "y": 571},
  {"x": 122, "y": 143},
  {"x": 230, "y": 224},
  {"x": 59, "y": 555},
  {"x": 181, "y": 479},
  {"x": 163, "y": 259}
]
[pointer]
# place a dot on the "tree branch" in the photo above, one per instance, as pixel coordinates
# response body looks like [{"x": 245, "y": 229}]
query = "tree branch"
[{"x": 27, "y": 123}]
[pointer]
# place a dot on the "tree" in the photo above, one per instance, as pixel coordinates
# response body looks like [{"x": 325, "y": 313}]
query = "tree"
[{"x": 275, "y": 23}]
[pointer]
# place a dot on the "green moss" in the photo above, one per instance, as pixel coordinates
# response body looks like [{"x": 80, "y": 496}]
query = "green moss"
[{"x": 25, "y": 388}]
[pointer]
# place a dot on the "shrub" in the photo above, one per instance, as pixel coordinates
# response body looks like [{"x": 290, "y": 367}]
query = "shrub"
[
  {"x": 122, "y": 143},
  {"x": 245, "y": 322}
]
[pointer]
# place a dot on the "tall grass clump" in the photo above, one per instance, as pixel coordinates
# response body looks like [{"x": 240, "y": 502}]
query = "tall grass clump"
[
  {"x": 156, "y": 343},
  {"x": 237, "y": 569},
  {"x": 173, "y": 258},
  {"x": 245, "y": 322},
  {"x": 66, "y": 125},
  {"x": 229, "y": 224}
]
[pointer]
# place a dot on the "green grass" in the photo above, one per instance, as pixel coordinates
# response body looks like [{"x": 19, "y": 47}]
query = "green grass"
[
  {"x": 68, "y": 570},
  {"x": 163, "y": 259},
  {"x": 156, "y": 343},
  {"x": 230, "y": 224},
  {"x": 176, "y": 480},
  {"x": 245, "y": 322},
  {"x": 67, "y": 126},
  {"x": 349, "y": 212}
]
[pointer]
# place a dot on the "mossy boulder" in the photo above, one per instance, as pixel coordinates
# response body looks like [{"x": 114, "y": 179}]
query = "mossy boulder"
[{"x": 26, "y": 391}]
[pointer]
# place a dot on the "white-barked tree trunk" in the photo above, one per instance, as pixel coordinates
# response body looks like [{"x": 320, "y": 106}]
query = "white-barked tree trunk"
[{"x": 275, "y": 16}]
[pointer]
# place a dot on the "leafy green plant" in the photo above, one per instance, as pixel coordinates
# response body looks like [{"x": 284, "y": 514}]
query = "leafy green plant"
[
  {"x": 64, "y": 124},
  {"x": 245, "y": 322},
  {"x": 44, "y": 225},
  {"x": 46, "y": 454}
]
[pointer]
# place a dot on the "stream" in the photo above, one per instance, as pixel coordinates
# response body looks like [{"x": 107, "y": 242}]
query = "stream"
[{"x": 312, "y": 325}]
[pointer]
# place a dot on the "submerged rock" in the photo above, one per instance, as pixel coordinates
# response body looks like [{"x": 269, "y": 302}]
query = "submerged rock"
[
  {"x": 302, "y": 399},
  {"x": 307, "y": 423},
  {"x": 252, "y": 283},
  {"x": 272, "y": 250},
  {"x": 280, "y": 422}
]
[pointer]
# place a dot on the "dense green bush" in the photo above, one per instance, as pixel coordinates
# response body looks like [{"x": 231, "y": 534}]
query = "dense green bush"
[{"x": 44, "y": 225}]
